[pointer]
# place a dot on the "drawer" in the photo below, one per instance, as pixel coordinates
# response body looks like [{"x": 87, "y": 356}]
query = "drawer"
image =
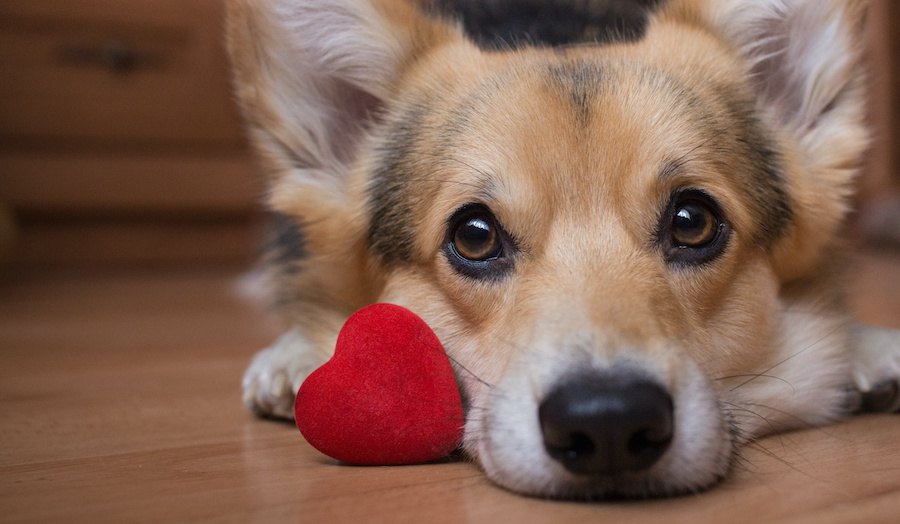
[
  {"x": 108, "y": 73},
  {"x": 67, "y": 184}
]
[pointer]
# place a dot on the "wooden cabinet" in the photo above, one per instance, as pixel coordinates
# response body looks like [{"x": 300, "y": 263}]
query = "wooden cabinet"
[{"x": 117, "y": 119}]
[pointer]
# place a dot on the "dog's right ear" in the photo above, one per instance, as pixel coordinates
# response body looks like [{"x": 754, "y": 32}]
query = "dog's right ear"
[{"x": 311, "y": 76}]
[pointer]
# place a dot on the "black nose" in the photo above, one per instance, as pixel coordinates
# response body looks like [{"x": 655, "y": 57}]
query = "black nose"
[{"x": 604, "y": 425}]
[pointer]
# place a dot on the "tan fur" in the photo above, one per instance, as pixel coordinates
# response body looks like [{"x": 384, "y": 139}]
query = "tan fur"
[{"x": 583, "y": 198}]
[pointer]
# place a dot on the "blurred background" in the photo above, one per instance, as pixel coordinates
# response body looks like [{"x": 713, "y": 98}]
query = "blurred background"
[{"x": 120, "y": 144}]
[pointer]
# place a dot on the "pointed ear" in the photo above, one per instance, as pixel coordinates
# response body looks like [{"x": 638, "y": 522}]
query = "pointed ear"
[
  {"x": 311, "y": 76},
  {"x": 805, "y": 55},
  {"x": 806, "y": 65}
]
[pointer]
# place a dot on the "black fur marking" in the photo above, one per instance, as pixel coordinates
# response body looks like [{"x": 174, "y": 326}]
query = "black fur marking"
[
  {"x": 765, "y": 165},
  {"x": 285, "y": 244},
  {"x": 392, "y": 228},
  {"x": 581, "y": 82},
  {"x": 510, "y": 24}
]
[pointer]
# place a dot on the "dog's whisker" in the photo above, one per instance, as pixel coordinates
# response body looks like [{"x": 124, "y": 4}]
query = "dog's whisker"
[
  {"x": 769, "y": 453},
  {"x": 470, "y": 372},
  {"x": 754, "y": 376},
  {"x": 759, "y": 375},
  {"x": 755, "y": 444},
  {"x": 735, "y": 407},
  {"x": 805, "y": 422}
]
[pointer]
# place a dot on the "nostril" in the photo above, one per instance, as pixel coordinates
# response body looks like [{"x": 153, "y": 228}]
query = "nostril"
[
  {"x": 649, "y": 441},
  {"x": 569, "y": 446},
  {"x": 607, "y": 425}
]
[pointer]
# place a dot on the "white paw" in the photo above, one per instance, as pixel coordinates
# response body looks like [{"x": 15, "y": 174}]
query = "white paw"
[
  {"x": 876, "y": 368},
  {"x": 275, "y": 374}
]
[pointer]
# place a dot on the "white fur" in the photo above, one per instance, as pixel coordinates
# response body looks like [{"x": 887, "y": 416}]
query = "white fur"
[
  {"x": 876, "y": 358},
  {"x": 275, "y": 374},
  {"x": 805, "y": 382}
]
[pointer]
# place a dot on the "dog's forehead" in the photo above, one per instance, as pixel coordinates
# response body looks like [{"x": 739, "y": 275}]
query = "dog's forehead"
[
  {"x": 575, "y": 128},
  {"x": 583, "y": 122},
  {"x": 576, "y": 137}
]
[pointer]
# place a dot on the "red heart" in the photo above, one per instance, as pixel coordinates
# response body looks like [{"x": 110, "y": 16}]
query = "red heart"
[{"x": 388, "y": 395}]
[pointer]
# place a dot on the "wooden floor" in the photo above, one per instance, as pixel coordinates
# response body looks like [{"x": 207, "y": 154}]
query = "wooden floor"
[{"x": 120, "y": 402}]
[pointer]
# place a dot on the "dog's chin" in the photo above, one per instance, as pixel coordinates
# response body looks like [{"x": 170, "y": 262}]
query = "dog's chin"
[
  {"x": 506, "y": 440},
  {"x": 545, "y": 480}
]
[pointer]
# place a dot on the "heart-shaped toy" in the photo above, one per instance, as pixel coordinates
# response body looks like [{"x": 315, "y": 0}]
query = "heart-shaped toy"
[{"x": 388, "y": 396}]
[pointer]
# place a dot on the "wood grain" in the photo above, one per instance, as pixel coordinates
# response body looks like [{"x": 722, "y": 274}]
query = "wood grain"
[{"x": 120, "y": 402}]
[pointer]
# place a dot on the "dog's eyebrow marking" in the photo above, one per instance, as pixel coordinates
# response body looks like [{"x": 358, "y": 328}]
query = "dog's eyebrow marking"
[
  {"x": 672, "y": 169},
  {"x": 512, "y": 24},
  {"x": 484, "y": 187}
]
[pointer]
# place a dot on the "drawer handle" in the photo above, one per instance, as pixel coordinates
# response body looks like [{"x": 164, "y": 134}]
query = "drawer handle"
[{"x": 116, "y": 56}]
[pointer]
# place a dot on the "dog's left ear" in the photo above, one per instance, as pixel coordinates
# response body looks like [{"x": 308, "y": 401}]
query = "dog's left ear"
[
  {"x": 805, "y": 58},
  {"x": 311, "y": 77}
]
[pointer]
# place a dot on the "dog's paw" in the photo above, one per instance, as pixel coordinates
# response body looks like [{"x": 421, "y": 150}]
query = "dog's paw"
[
  {"x": 275, "y": 374},
  {"x": 876, "y": 369}
]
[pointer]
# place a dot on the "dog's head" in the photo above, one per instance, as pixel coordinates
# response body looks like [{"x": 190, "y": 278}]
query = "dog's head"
[{"x": 609, "y": 211}]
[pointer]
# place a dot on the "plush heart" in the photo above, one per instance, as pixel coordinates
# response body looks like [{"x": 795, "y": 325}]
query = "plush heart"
[{"x": 388, "y": 396}]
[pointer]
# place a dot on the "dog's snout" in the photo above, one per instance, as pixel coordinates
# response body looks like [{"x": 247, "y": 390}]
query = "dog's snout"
[{"x": 605, "y": 425}]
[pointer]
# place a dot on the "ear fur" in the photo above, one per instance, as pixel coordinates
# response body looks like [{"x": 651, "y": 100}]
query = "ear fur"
[
  {"x": 805, "y": 63},
  {"x": 311, "y": 75}
]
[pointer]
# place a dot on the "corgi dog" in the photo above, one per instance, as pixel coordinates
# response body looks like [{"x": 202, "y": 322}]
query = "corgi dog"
[{"x": 622, "y": 218}]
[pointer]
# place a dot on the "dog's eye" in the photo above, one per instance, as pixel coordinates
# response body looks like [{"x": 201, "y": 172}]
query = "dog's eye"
[
  {"x": 476, "y": 239},
  {"x": 477, "y": 246},
  {"x": 694, "y": 225},
  {"x": 692, "y": 230}
]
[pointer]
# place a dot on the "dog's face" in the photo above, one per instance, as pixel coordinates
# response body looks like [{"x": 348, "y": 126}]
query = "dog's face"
[{"x": 615, "y": 240}]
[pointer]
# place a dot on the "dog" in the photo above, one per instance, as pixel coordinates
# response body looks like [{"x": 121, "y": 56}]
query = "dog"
[{"x": 623, "y": 219}]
